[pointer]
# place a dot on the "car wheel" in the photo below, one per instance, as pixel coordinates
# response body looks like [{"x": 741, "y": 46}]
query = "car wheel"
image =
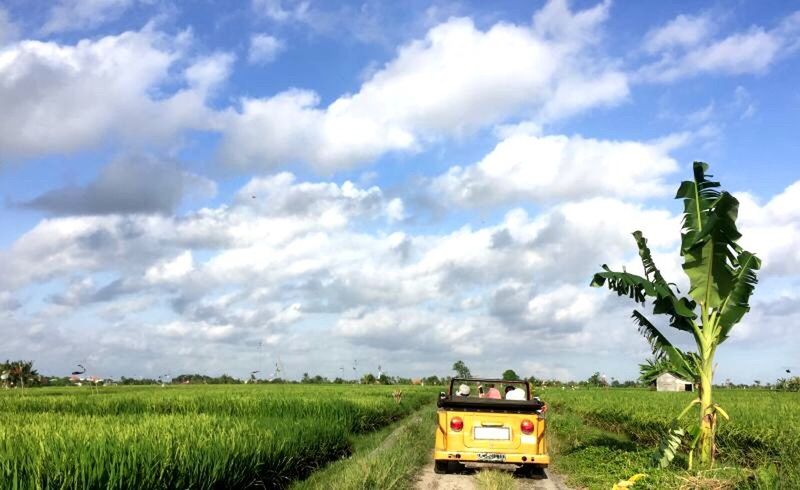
[
  {"x": 456, "y": 467},
  {"x": 441, "y": 467}
]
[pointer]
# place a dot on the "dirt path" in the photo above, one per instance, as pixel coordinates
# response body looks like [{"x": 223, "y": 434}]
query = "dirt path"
[{"x": 429, "y": 480}]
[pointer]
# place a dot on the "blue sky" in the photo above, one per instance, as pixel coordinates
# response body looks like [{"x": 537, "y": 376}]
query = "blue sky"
[{"x": 405, "y": 184}]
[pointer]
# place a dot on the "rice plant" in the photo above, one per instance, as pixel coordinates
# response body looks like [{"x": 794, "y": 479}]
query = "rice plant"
[{"x": 186, "y": 437}]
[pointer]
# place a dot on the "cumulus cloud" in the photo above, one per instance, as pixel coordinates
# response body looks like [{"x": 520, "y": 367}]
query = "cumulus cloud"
[
  {"x": 273, "y": 264},
  {"x": 526, "y": 167},
  {"x": 281, "y": 195},
  {"x": 139, "y": 184},
  {"x": 412, "y": 329},
  {"x": 65, "y": 98},
  {"x": 685, "y": 50},
  {"x": 772, "y": 230},
  {"x": 264, "y": 48},
  {"x": 682, "y": 31},
  {"x": 73, "y": 15},
  {"x": 541, "y": 69}
]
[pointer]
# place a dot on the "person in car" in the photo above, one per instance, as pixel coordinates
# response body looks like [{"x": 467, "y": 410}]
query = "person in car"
[
  {"x": 514, "y": 393},
  {"x": 492, "y": 392},
  {"x": 463, "y": 390}
]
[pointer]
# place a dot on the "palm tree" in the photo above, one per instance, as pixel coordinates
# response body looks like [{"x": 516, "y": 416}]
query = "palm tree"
[
  {"x": 18, "y": 373},
  {"x": 722, "y": 277}
]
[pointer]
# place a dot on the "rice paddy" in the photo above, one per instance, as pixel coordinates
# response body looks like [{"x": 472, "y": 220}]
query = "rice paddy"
[
  {"x": 187, "y": 436},
  {"x": 610, "y": 435}
]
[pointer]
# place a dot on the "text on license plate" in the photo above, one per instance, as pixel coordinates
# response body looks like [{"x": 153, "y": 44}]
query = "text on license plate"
[
  {"x": 491, "y": 457},
  {"x": 492, "y": 433}
]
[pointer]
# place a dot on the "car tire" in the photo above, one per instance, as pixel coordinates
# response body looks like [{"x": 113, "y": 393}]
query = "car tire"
[
  {"x": 456, "y": 467},
  {"x": 441, "y": 467}
]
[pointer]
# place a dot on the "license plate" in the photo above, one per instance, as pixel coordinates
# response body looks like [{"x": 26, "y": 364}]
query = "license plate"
[
  {"x": 491, "y": 457},
  {"x": 492, "y": 434}
]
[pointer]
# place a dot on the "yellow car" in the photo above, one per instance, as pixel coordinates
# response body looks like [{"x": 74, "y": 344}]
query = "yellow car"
[{"x": 478, "y": 423}]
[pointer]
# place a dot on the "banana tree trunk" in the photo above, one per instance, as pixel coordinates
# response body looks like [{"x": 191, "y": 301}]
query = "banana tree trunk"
[{"x": 707, "y": 415}]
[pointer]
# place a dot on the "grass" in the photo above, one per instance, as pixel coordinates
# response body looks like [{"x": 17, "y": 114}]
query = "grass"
[
  {"x": 187, "y": 436},
  {"x": 599, "y": 437},
  {"x": 357, "y": 437},
  {"x": 386, "y": 459},
  {"x": 495, "y": 480}
]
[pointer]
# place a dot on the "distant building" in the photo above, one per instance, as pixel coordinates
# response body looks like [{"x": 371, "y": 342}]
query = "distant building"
[{"x": 670, "y": 382}]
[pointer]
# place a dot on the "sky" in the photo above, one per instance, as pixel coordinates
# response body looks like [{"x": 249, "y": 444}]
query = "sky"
[{"x": 215, "y": 186}]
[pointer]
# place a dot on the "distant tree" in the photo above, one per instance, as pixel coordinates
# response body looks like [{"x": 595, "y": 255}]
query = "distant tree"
[
  {"x": 368, "y": 379},
  {"x": 338, "y": 381},
  {"x": 19, "y": 373},
  {"x": 595, "y": 379},
  {"x": 432, "y": 380},
  {"x": 461, "y": 369},
  {"x": 534, "y": 381},
  {"x": 384, "y": 379},
  {"x": 791, "y": 384},
  {"x": 228, "y": 380},
  {"x": 510, "y": 375}
]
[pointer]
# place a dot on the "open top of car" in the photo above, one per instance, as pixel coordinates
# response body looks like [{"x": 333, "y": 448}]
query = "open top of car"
[
  {"x": 478, "y": 423},
  {"x": 452, "y": 399}
]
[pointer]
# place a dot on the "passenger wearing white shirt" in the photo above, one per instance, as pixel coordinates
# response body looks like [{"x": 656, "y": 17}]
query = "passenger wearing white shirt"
[{"x": 513, "y": 393}]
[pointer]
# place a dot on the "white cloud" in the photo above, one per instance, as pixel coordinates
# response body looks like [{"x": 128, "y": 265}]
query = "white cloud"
[
  {"x": 454, "y": 81},
  {"x": 65, "y": 98},
  {"x": 74, "y": 15},
  {"x": 317, "y": 261},
  {"x": 687, "y": 53},
  {"x": 772, "y": 230},
  {"x": 526, "y": 167},
  {"x": 264, "y": 48},
  {"x": 743, "y": 102},
  {"x": 282, "y": 10},
  {"x": 171, "y": 269},
  {"x": 682, "y": 31},
  {"x": 281, "y": 196},
  {"x": 207, "y": 72},
  {"x": 413, "y": 329}
]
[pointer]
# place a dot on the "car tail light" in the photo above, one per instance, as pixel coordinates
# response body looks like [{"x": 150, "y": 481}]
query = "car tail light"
[
  {"x": 526, "y": 426},
  {"x": 456, "y": 424}
]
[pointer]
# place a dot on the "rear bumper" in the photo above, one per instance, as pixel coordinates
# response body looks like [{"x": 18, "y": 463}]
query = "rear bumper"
[{"x": 481, "y": 457}]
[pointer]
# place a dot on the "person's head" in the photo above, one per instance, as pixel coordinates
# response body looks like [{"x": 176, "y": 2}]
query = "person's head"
[
  {"x": 509, "y": 388},
  {"x": 463, "y": 390},
  {"x": 491, "y": 385}
]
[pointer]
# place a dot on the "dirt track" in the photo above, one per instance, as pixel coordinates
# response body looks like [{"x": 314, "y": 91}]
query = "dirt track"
[{"x": 428, "y": 480}]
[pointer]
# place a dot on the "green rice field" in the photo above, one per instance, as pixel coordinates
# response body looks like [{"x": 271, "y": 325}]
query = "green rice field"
[
  {"x": 274, "y": 436},
  {"x": 610, "y": 434},
  {"x": 187, "y": 436}
]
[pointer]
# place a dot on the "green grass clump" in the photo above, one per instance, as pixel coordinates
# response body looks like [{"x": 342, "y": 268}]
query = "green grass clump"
[
  {"x": 386, "y": 459},
  {"x": 495, "y": 480},
  {"x": 602, "y": 436},
  {"x": 186, "y": 436}
]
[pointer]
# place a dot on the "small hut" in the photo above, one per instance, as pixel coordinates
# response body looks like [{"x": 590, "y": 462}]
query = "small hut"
[{"x": 670, "y": 382}]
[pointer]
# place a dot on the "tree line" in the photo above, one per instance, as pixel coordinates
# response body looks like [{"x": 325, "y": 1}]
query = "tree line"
[{"x": 22, "y": 374}]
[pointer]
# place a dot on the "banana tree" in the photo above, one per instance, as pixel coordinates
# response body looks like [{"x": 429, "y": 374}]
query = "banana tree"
[{"x": 722, "y": 277}]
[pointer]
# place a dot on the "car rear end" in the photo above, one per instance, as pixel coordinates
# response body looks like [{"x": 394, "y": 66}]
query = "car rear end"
[{"x": 490, "y": 431}]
